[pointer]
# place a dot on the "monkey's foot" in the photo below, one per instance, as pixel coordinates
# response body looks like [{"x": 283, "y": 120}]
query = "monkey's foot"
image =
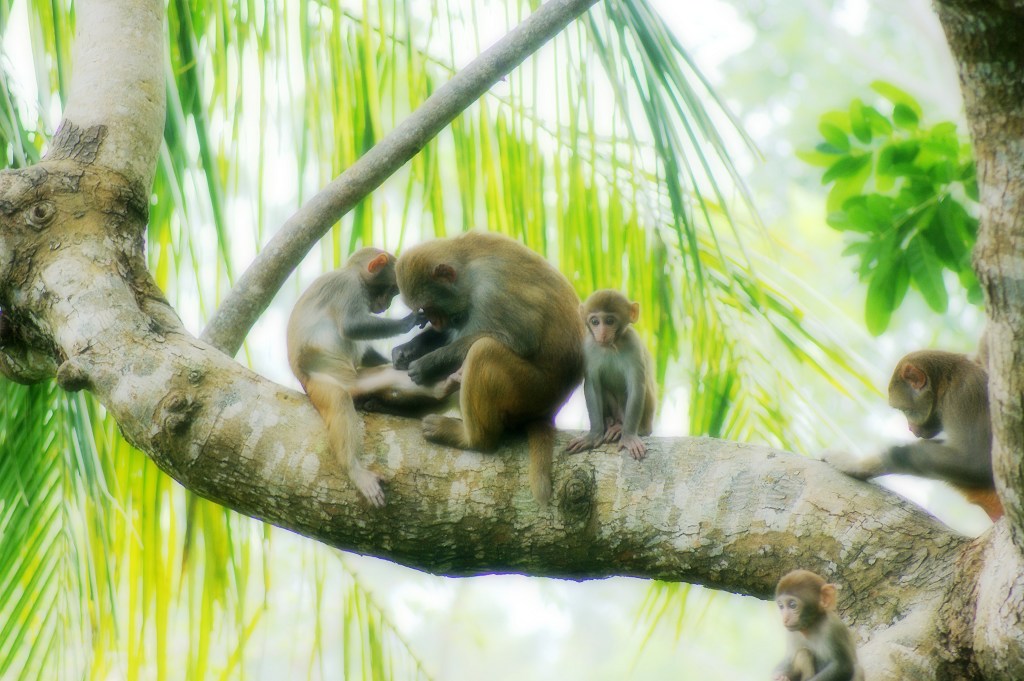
[
  {"x": 613, "y": 433},
  {"x": 634, "y": 445},
  {"x": 583, "y": 443},
  {"x": 856, "y": 467},
  {"x": 449, "y": 385},
  {"x": 443, "y": 430},
  {"x": 368, "y": 485}
]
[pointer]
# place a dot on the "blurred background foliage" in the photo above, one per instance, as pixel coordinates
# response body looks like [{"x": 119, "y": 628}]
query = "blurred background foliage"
[
  {"x": 632, "y": 151},
  {"x": 907, "y": 195}
]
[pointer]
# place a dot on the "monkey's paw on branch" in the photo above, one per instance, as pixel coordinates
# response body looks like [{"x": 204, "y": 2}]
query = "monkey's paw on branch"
[
  {"x": 614, "y": 431},
  {"x": 634, "y": 445},
  {"x": 369, "y": 485},
  {"x": 584, "y": 442},
  {"x": 854, "y": 466},
  {"x": 442, "y": 430}
]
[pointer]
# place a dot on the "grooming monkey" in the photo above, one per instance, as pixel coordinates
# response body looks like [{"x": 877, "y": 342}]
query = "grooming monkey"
[
  {"x": 327, "y": 352},
  {"x": 939, "y": 392},
  {"x": 618, "y": 380},
  {"x": 819, "y": 646},
  {"x": 511, "y": 323}
]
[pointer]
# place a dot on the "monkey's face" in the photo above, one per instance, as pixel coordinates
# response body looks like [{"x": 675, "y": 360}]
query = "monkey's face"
[
  {"x": 791, "y": 608},
  {"x": 434, "y": 289},
  {"x": 605, "y": 327},
  {"x": 927, "y": 428},
  {"x": 918, "y": 406},
  {"x": 381, "y": 297}
]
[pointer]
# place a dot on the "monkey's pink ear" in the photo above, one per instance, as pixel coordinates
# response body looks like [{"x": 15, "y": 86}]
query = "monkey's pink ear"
[
  {"x": 634, "y": 312},
  {"x": 378, "y": 263},
  {"x": 828, "y": 596},
  {"x": 445, "y": 273},
  {"x": 914, "y": 376}
]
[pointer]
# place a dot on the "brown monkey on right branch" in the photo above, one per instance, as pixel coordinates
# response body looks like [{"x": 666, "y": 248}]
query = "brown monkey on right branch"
[
  {"x": 938, "y": 392},
  {"x": 819, "y": 646},
  {"x": 511, "y": 322},
  {"x": 618, "y": 380}
]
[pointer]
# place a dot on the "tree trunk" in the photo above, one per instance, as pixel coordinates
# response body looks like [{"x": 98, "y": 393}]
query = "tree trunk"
[{"x": 78, "y": 303}]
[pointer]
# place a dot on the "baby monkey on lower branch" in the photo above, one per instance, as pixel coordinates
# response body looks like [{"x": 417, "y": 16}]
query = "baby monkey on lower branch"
[
  {"x": 819, "y": 646},
  {"x": 328, "y": 353},
  {"x": 618, "y": 380}
]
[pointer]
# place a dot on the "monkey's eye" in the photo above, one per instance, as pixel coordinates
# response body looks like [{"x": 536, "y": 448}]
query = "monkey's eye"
[{"x": 594, "y": 321}]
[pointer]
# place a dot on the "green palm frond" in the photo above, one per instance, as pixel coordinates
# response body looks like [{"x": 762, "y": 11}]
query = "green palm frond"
[{"x": 55, "y": 514}]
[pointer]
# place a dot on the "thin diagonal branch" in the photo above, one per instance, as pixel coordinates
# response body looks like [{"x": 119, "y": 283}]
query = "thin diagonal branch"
[{"x": 258, "y": 285}]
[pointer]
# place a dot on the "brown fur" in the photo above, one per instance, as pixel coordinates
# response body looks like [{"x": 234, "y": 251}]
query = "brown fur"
[{"x": 514, "y": 331}]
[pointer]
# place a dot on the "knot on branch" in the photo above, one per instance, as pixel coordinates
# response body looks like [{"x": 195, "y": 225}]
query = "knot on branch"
[
  {"x": 576, "y": 502},
  {"x": 40, "y": 214},
  {"x": 72, "y": 375},
  {"x": 176, "y": 411}
]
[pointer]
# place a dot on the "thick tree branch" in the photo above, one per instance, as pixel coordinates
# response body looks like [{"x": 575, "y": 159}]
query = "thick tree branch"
[
  {"x": 118, "y": 89},
  {"x": 283, "y": 253},
  {"x": 985, "y": 39}
]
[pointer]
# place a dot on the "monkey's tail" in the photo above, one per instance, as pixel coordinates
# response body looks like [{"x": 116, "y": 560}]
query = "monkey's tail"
[{"x": 540, "y": 436}]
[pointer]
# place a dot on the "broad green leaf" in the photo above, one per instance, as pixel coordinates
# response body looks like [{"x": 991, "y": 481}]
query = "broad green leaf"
[
  {"x": 880, "y": 301},
  {"x": 942, "y": 173},
  {"x": 846, "y": 167},
  {"x": 846, "y": 187},
  {"x": 822, "y": 155},
  {"x": 926, "y": 271},
  {"x": 896, "y": 96},
  {"x": 905, "y": 117},
  {"x": 897, "y": 158},
  {"x": 880, "y": 125},
  {"x": 834, "y": 136},
  {"x": 957, "y": 225},
  {"x": 859, "y": 124}
]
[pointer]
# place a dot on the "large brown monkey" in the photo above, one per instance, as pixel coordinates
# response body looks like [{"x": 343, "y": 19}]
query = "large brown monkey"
[
  {"x": 618, "y": 378},
  {"x": 938, "y": 392},
  {"x": 513, "y": 326},
  {"x": 819, "y": 646},
  {"x": 327, "y": 352}
]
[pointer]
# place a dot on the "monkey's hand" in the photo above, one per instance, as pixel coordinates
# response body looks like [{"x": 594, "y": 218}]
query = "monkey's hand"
[
  {"x": 401, "y": 356},
  {"x": 634, "y": 445},
  {"x": 584, "y": 442},
  {"x": 413, "y": 320},
  {"x": 861, "y": 468},
  {"x": 417, "y": 372}
]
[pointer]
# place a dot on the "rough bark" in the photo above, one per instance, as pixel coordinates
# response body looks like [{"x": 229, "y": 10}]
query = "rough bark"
[
  {"x": 79, "y": 304},
  {"x": 985, "y": 38}
]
